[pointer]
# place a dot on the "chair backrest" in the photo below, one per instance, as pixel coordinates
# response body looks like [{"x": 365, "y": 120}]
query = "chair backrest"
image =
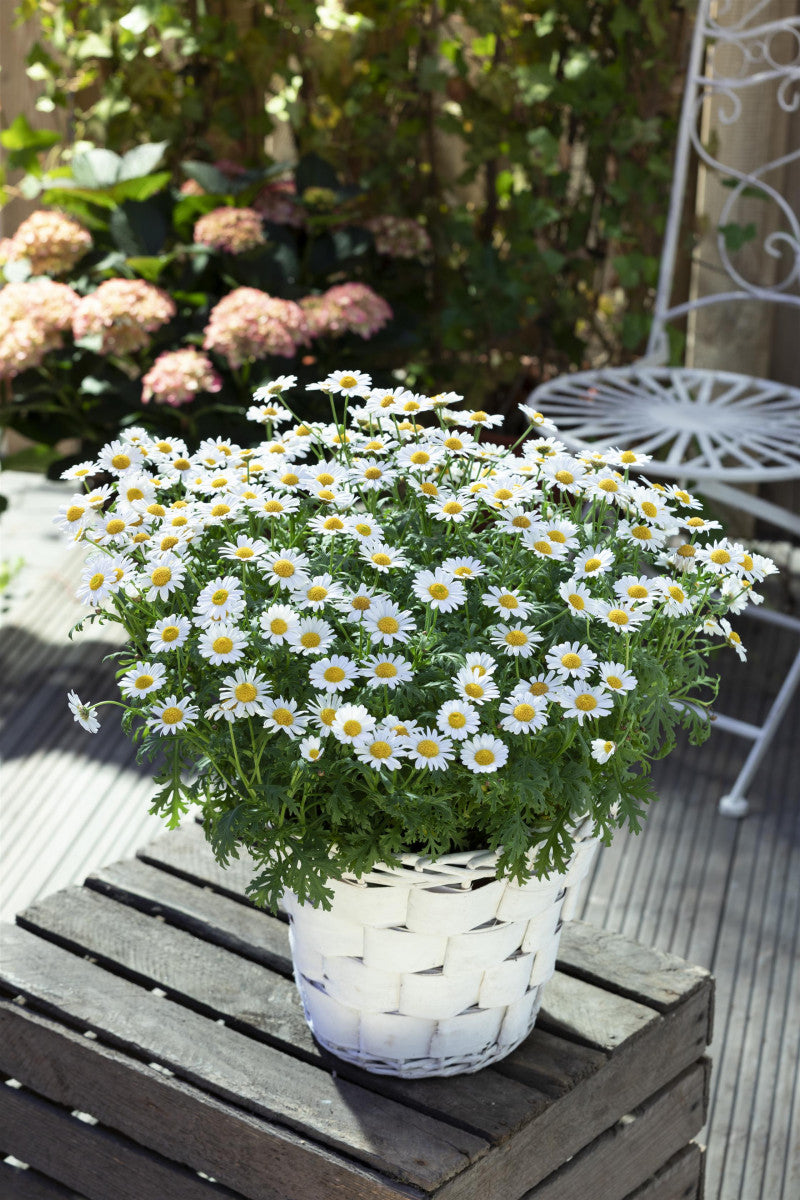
[{"x": 744, "y": 58}]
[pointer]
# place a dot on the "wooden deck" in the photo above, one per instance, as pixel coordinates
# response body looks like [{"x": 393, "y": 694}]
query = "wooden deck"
[{"x": 720, "y": 893}]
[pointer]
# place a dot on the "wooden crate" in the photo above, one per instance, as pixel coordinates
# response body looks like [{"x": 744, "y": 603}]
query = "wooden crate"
[{"x": 156, "y": 1050}]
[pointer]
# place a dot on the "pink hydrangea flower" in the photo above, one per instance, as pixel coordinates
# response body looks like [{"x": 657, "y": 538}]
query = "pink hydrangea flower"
[
  {"x": 233, "y": 230},
  {"x": 277, "y": 202},
  {"x": 178, "y": 376},
  {"x": 51, "y": 242},
  {"x": 248, "y": 325},
  {"x": 399, "y": 237},
  {"x": 346, "y": 308},
  {"x": 33, "y": 315},
  {"x": 125, "y": 312}
]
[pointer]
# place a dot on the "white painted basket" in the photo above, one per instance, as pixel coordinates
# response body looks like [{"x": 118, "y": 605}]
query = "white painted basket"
[{"x": 433, "y": 968}]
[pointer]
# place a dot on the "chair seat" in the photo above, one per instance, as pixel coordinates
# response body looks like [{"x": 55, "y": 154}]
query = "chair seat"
[{"x": 698, "y": 424}]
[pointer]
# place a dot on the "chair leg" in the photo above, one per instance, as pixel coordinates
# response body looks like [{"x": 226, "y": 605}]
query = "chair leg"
[{"x": 734, "y": 803}]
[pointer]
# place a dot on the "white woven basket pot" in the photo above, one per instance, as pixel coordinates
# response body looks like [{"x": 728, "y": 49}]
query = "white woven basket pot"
[{"x": 434, "y": 968}]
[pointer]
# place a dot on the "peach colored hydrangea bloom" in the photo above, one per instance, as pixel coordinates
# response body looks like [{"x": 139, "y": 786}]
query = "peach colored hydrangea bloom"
[
  {"x": 346, "y": 308},
  {"x": 33, "y": 316},
  {"x": 399, "y": 237},
  {"x": 233, "y": 230},
  {"x": 248, "y": 324},
  {"x": 178, "y": 376},
  {"x": 125, "y": 312},
  {"x": 51, "y": 242}
]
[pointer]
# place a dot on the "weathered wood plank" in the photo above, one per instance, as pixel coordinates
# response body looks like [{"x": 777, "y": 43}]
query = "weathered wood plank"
[
  {"x": 92, "y": 1159},
  {"x": 163, "y": 1112},
  {"x": 17, "y": 1183},
  {"x": 680, "y": 1179},
  {"x": 637, "y": 1146},
  {"x": 576, "y": 1009},
  {"x": 189, "y": 855},
  {"x": 399, "y": 1141},
  {"x": 637, "y": 1069},
  {"x": 256, "y": 1001}
]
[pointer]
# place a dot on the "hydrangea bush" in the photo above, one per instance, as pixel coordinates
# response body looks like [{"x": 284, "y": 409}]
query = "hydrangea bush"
[{"x": 389, "y": 633}]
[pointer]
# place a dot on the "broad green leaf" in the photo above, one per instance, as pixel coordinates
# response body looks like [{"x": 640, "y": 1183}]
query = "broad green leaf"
[
  {"x": 140, "y": 189},
  {"x": 21, "y": 136},
  {"x": 137, "y": 21},
  {"x": 96, "y": 168},
  {"x": 141, "y": 160},
  {"x": 149, "y": 266},
  {"x": 737, "y": 236},
  {"x": 209, "y": 177}
]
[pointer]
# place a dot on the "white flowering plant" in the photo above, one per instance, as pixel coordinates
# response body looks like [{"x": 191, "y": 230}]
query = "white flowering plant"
[{"x": 390, "y": 633}]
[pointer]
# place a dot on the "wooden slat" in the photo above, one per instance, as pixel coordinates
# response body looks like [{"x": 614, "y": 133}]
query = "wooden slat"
[
  {"x": 627, "y": 1155},
  {"x": 17, "y": 1183},
  {"x": 189, "y": 856},
  {"x": 680, "y": 1179},
  {"x": 373, "y": 1130},
  {"x": 163, "y": 1112}
]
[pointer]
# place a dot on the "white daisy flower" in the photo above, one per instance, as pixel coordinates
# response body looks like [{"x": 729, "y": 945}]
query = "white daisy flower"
[
  {"x": 82, "y": 470},
  {"x": 142, "y": 679},
  {"x": 220, "y": 600},
  {"x": 723, "y": 627},
  {"x": 565, "y": 472},
  {"x": 344, "y": 383},
  {"x": 323, "y": 709},
  {"x": 383, "y": 748},
  {"x": 620, "y": 616},
  {"x": 718, "y": 557},
  {"x": 316, "y": 592},
  {"x": 523, "y": 712},
  {"x": 506, "y": 602},
  {"x": 577, "y": 597},
  {"x": 84, "y": 714},
  {"x": 169, "y": 633},
  {"x": 134, "y": 488},
  {"x": 356, "y": 603},
  {"x": 449, "y": 507},
  {"x": 245, "y": 693},
  {"x": 480, "y": 663},
  {"x": 677, "y": 602},
  {"x": 311, "y": 635},
  {"x": 74, "y": 517},
  {"x": 386, "y": 670},
  {"x": 571, "y": 660},
  {"x": 464, "y": 567},
  {"x": 477, "y": 418},
  {"x": 380, "y": 556},
  {"x": 474, "y": 687},
  {"x": 592, "y": 562},
  {"x": 173, "y": 716},
  {"x": 405, "y": 727},
  {"x": 514, "y": 519},
  {"x": 484, "y": 754},
  {"x": 625, "y": 458},
  {"x": 244, "y": 549},
  {"x": 650, "y": 505},
  {"x": 422, "y": 457},
  {"x": 266, "y": 413},
  {"x": 637, "y": 589},
  {"x": 602, "y": 750},
  {"x": 282, "y": 383},
  {"x": 699, "y": 524},
  {"x": 221, "y": 642},
  {"x": 118, "y": 457},
  {"x": 641, "y": 535},
  {"x": 115, "y": 528},
  {"x": 518, "y": 641},
  {"x": 453, "y": 441},
  {"x": 546, "y": 683},
  {"x": 334, "y": 674},
  {"x": 163, "y": 576},
  {"x": 323, "y": 475},
  {"x": 458, "y": 719},
  {"x": 98, "y": 580},
  {"x": 277, "y": 622},
  {"x": 287, "y": 568},
  {"x": 311, "y": 748},
  {"x": 439, "y": 589},
  {"x": 387, "y": 623},
  {"x": 616, "y": 677},
  {"x": 536, "y": 539},
  {"x": 351, "y": 722},
  {"x": 581, "y": 701},
  {"x": 365, "y": 528},
  {"x": 329, "y": 524},
  {"x": 608, "y": 485},
  {"x": 220, "y": 511},
  {"x": 429, "y": 749},
  {"x": 281, "y": 715}
]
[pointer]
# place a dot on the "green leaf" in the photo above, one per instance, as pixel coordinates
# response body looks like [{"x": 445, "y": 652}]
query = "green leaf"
[
  {"x": 313, "y": 171},
  {"x": 737, "y": 236},
  {"x": 21, "y": 136},
  {"x": 96, "y": 168},
  {"x": 141, "y": 160},
  {"x": 141, "y": 188},
  {"x": 210, "y": 178},
  {"x": 137, "y": 21},
  {"x": 149, "y": 267}
]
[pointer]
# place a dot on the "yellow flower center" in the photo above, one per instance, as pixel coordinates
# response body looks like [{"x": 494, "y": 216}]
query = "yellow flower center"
[
  {"x": 387, "y": 402},
  {"x": 219, "y": 481},
  {"x": 134, "y": 493},
  {"x": 556, "y": 535},
  {"x": 182, "y": 464},
  {"x": 273, "y": 506},
  {"x": 420, "y": 457},
  {"x": 363, "y": 528},
  {"x": 277, "y": 448},
  {"x": 642, "y": 533},
  {"x": 278, "y": 625},
  {"x": 310, "y": 639},
  {"x": 733, "y": 636},
  {"x": 325, "y": 479},
  {"x": 484, "y": 757},
  {"x": 373, "y": 473},
  {"x": 382, "y": 560},
  {"x": 220, "y": 510},
  {"x": 388, "y": 624},
  {"x": 456, "y": 720},
  {"x": 677, "y": 593},
  {"x": 618, "y": 616},
  {"x": 284, "y": 568},
  {"x": 170, "y": 633},
  {"x": 222, "y": 645},
  {"x": 524, "y": 712},
  {"x": 333, "y": 674},
  {"x": 220, "y": 596},
  {"x": 172, "y": 715},
  {"x": 439, "y": 591},
  {"x": 333, "y": 523},
  {"x": 97, "y": 581},
  {"x": 720, "y": 556},
  {"x": 543, "y": 547},
  {"x": 144, "y": 682},
  {"x": 637, "y": 591},
  {"x": 75, "y": 512},
  {"x": 463, "y": 571},
  {"x": 628, "y": 456},
  {"x": 585, "y": 702},
  {"x": 115, "y": 526},
  {"x": 179, "y": 522},
  {"x": 163, "y": 447},
  {"x": 608, "y": 485},
  {"x": 386, "y": 670},
  {"x": 479, "y": 415},
  {"x": 290, "y": 479},
  {"x": 571, "y": 661},
  {"x": 649, "y": 509},
  {"x": 169, "y": 542},
  {"x": 380, "y": 750},
  {"x": 614, "y": 682},
  {"x": 539, "y": 688},
  {"x": 325, "y": 494},
  {"x": 282, "y": 716},
  {"x": 747, "y": 562},
  {"x": 244, "y": 551},
  {"x": 592, "y": 564},
  {"x": 474, "y": 689},
  {"x": 453, "y": 443},
  {"x": 429, "y": 489},
  {"x": 452, "y": 508},
  {"x": 696, "y": 522},
  {"x": 348, "y": 381},
  {"x": 352, "y": 727},
  {"x": 245, "y": 692},
  {"x": 428, "y": 748},
  {"x": 685, "y": 551},
  {"x": 515, "y": 637},
  {"x": 161, "y": 576},
  {"x": 508, "y": 601},
  {"x": 361, "y": 604},
  {"x": 576, "y": 601},
  {"x": 521, "y": 522},
  {"x": 120, "y": 462},
  {"x": 317, "y": 593},
  {"x": 565, "y": 476}
]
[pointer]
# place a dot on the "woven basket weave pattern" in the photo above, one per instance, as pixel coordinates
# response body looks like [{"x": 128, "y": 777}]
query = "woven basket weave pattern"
[{"x": 431, "y": 968}]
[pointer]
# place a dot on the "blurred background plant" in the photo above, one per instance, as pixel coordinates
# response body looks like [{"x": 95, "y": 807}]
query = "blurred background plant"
[{"x": 495, "y": 170}]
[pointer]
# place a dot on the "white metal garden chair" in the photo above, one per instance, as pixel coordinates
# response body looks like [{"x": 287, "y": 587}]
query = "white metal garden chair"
[{"x": 714, "y": 429}]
